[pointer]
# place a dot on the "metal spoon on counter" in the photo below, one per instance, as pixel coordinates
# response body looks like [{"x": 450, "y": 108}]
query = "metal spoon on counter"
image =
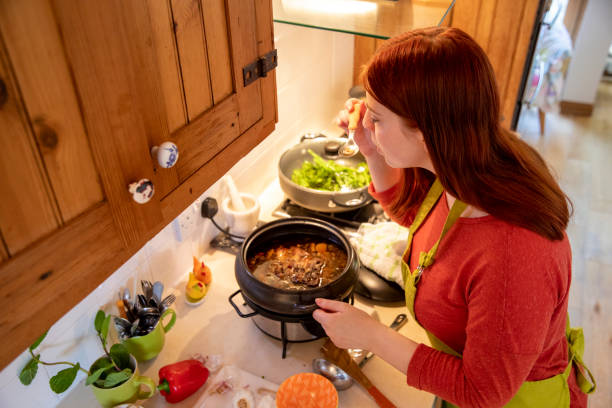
[{"x": 338, "y": 377}]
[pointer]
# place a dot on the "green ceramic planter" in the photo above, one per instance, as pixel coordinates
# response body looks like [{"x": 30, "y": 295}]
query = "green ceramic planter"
[{"x": 129, "y": 391}]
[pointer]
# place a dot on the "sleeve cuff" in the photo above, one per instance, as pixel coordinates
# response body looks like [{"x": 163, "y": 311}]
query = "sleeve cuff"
[
  {"x": 417, "y": 364},
  {"x": 385, "y": 196}
]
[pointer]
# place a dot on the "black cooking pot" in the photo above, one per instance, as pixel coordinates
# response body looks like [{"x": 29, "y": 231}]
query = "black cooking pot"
[
  {"x": 320, "y": 200},
  {"x": 294, "y": 302}
]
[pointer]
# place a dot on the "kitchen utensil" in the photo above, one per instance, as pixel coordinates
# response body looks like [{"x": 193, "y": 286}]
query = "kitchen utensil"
[
  {"x": 333, "y": 373},
  {"x": 241, "y": 222},
  {"x": 123, "y": 327},
  {"x": 236, "y": 200},
  {"x": 342, "y": 359},
  {"x": 134, "y": 328},
  {"x": 320, "y": 200},
  {"x": 142, "y": 301},
  {"x": 350, "y": 148},
  {"x": 397, "y": 324},
  {"x": 168, "y": 300},
  {"x": 158, "y": 290},
  {"x": 339, "y": 377},
  {"x": 147, "y": 290},
  {"x": 294, "y": 302}
]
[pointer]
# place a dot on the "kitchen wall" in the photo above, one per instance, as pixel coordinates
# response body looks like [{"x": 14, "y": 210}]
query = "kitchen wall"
[
  {"x": 313, "y": 78},
  {"x": 590, "y": 51}
]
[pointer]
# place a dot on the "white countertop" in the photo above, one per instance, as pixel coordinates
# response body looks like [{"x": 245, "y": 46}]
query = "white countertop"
[{"x": 214, "y": 327}]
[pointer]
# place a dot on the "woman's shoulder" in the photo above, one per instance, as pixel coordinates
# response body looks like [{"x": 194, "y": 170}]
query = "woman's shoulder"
[{"x": 510, "y": 253}]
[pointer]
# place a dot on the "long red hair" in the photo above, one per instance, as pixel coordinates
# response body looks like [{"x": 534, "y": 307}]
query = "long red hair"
[{"x": 441, "y": 81}]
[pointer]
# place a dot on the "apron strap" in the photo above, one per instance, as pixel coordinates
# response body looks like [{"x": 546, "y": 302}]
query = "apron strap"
[
  {"x": 434, "y": 193},
  {"x": 426, "y": 259}
]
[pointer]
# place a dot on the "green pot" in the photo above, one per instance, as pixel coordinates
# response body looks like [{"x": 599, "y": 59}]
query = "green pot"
[
  {"x": 148, "y": 346},
  {"x": 129, "y": 391}
]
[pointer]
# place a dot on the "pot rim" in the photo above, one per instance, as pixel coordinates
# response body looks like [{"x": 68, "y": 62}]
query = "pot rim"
[{"x": 350, "y": 252}]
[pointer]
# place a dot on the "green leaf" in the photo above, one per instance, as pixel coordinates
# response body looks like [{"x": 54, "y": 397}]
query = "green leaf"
[
  {"x": 96, "y": 374},
  {"x": 64, "y": 379},
  {"x": 100, "y": 316},
  {"x": 39, "y": 340},
  {"x": 26, "y": 376},
  {"x": 116, "y": 378},
  {"x": 120, "y": 355},
  {"x": 104, "y": 331},
  {"x": 101, "y": 362}
]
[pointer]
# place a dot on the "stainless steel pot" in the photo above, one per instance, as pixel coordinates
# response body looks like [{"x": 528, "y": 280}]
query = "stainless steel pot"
[{"x": 320, "y": 200}]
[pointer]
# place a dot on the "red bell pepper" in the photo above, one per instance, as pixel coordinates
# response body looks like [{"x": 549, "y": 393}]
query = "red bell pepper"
[{"x": 179, "y": 380}]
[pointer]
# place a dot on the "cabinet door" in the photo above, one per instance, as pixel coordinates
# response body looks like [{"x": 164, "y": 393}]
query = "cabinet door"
[
  {"x": 111, "y": 79},
  {"x": 48, "y": 175},
  {"x": 155, "y": 70}
]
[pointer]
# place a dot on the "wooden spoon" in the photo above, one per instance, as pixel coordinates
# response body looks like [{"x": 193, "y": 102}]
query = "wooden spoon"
[{"x": 343, "y": 359}]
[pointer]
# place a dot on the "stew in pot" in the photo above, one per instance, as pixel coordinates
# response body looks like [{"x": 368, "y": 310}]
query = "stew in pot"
[{"x": 298, "y": 265}]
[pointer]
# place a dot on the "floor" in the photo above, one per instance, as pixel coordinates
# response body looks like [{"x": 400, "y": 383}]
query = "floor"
[{"x": 579, "y": 150}]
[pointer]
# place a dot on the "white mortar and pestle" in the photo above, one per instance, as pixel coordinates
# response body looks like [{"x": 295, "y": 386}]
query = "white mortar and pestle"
[{"x": 241, "y": 209}]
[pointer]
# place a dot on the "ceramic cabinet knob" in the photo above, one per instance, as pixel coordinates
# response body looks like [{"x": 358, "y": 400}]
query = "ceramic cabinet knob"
[
  {"x": 166, "y": 154},
  {"x": 142, "y": 190}
]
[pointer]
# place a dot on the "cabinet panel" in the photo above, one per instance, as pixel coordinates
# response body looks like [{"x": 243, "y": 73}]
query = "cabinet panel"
[
  {"x": 27, "y": 209},
  {"x": 162, "y": 26},
  {"x": 191, "y": 44},
  {"x": 203, "y": 138},
  {"x": 110, "y": 47},
  {"x": 43, "y": 283},
  {"x": 51, "y": 104},
  {"x": 217, "y": 40},
  {"x": 243, "y": 32}
]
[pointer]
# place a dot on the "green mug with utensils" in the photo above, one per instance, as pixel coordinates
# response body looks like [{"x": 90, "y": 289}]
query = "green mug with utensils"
[
  {"x": 129, "y": 391},
  {"x": 148, "y": 346}
]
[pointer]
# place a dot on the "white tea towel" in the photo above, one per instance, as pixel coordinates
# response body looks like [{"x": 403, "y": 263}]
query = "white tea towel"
[{"x": 380, "y": 248}]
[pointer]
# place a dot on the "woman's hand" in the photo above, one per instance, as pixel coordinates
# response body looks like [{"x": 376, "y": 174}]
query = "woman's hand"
[
  {"x": 362, "y": 135},
  {"x": 346, "y": 326}
]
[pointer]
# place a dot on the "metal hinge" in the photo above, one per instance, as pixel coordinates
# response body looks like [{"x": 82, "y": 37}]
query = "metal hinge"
[{"x": 259, "y": 68}]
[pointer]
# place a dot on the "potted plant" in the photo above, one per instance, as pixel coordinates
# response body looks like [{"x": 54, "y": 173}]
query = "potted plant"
[{"x": 113, "y": 377}]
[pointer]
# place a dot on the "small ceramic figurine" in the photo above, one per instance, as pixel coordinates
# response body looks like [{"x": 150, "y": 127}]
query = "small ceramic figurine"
[
  {"x": 195, "y": 290},
  {"x": 197, "y": 285}
]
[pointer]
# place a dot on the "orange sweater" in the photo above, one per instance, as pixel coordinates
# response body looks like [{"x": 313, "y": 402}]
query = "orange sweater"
[{"x": 497, "y": 294}]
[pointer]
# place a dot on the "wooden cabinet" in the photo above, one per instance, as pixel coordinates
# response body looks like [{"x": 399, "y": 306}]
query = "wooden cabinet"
[{"x": 89, "y": 88}]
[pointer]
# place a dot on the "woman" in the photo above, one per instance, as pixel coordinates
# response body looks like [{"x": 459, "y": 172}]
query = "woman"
[{"x": 494, "y": 302}]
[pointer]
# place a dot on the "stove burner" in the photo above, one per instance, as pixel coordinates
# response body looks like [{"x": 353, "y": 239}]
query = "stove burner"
[{"x": 304, "y": 326}]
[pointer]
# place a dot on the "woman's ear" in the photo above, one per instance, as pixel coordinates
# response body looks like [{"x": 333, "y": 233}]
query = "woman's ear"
[{"x": 421, "y": 138}]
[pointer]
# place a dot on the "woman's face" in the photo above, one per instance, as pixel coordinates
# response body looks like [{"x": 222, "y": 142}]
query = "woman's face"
[{"x": 400, "y": 145}]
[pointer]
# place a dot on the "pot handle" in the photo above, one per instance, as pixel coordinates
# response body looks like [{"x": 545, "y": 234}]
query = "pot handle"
[
  {"x": 311, "y": 136},
  {"x": 236, "y": 307},
  {"x": 353, "y": 202}
]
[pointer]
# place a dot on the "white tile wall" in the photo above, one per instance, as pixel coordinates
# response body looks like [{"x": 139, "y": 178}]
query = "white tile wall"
[{"x": 313, "y": 78}]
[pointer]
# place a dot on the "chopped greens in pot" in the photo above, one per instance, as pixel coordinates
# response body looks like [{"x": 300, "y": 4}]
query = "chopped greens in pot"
[{"x": 321, "y": 174}]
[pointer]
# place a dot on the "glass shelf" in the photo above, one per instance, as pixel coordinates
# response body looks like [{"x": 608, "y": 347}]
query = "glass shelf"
[{"x": 372, "y": 18}]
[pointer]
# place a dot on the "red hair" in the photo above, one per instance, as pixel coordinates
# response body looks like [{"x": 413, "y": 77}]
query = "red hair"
[{"x": 441, "y": 82}]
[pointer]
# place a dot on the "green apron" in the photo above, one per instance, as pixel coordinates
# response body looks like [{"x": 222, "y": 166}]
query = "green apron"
[{"x": 550, "y": 392}]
